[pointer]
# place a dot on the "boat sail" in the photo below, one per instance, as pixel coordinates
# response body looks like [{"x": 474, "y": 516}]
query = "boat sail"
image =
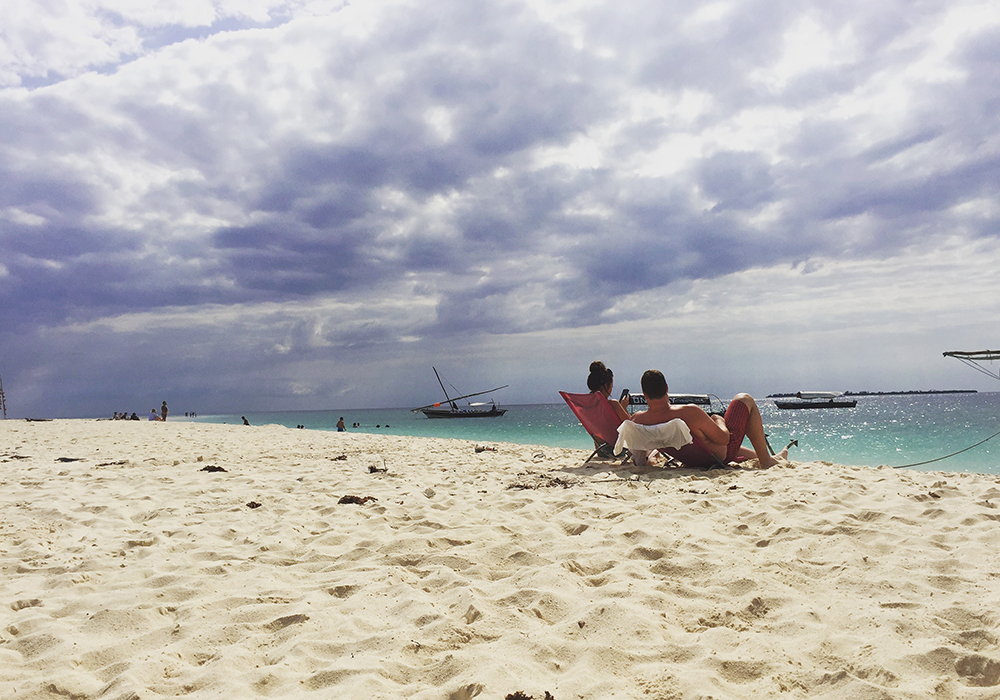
[{"x": 452, "y": 409}]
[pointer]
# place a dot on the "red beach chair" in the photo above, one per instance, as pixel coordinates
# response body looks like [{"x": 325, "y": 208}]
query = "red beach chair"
[
  {"x": 599, "y": 420},
  {"x": 696, "y": 456},
  {"x": 672, "y": 439}
]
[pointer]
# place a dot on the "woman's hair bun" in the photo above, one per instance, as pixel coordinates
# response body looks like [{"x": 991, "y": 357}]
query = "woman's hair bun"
[{"x": 600, "y": 376}]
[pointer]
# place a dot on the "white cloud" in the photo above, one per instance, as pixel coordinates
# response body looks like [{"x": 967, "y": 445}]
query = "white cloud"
[
  {"x": 20, "y": 216},
  {"x": 808, "y": 46},
  {"x": 61, "y": 37}
]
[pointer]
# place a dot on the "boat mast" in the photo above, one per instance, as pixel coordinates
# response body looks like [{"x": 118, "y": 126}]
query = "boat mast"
[
  {"x": 451, "y": 400},
  {"x": 974, "y": 357},
  {"x": 3, "y": 400},
  {"x": 458, "y": 398},
  {"x": 454, "y": 406}
]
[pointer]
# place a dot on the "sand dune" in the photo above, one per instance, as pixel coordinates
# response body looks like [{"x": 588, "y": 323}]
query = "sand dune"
[{"x": 131, "y": 572}]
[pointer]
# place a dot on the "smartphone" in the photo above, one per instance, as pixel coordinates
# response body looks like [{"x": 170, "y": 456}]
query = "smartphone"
[{"x": 625, "y": 392}]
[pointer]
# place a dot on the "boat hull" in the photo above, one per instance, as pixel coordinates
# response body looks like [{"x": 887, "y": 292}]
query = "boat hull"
[
  {"x": 816, "y": 404},
  {"x": 492, "y": 412}
]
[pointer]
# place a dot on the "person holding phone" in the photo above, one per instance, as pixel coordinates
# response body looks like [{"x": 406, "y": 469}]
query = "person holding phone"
[{"x": 602, "y": 379}]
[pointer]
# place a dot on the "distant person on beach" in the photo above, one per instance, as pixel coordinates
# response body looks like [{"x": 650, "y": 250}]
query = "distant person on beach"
[
  {"x": 163, "y": 411},
  {"x": 134, "y": 416},
  {"x": 722, "y": 436},
  {"x": 153, "y": 415},
  {"x": 341, "y": 427},
  {"x": 245, "y": 421},
  {"x": 601, "y": 379}
]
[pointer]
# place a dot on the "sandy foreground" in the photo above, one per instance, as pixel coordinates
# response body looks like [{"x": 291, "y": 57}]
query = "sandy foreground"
[{"x": 131, "y": 572}]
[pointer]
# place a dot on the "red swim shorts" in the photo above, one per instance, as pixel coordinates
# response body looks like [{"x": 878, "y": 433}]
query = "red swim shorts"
[{"x": 737, "y": 418}]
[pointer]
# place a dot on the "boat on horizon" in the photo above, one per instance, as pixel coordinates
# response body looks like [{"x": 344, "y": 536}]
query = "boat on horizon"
[
  {"x": 703, "y": 401},
  {"x": 816, "y": 399},
  {"x": 450, "y": 409}
]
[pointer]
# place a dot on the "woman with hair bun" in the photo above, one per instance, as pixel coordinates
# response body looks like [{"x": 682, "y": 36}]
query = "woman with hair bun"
[{"x": 602, "y": 379}]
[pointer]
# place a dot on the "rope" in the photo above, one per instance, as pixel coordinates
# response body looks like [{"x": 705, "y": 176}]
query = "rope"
[
  {"x": 979, "y": 368},
  {"x": 929, "y": 461}
]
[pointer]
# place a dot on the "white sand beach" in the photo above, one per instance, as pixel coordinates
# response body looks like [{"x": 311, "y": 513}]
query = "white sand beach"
[{"x": 130, "y": 572}]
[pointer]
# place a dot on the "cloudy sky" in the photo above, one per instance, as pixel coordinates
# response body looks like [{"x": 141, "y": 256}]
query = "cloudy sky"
[{"x": 245, "y": 205}]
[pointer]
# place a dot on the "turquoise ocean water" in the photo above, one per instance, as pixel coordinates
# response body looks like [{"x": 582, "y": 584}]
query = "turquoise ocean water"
[{"x": 892, "y": 430}]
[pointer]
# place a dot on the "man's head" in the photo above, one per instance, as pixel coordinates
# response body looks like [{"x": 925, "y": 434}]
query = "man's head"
[{"x": 654, "y": 386}]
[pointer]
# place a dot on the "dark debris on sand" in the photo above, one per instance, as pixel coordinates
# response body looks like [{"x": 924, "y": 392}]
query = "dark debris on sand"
[
  {"x": 356, "y": 500},
  {"x": 521, "y": 696},
  {"x": 212, "y": 468},
  {"x": 253, "y": 504},
  {"x": 540, "y": 482}
]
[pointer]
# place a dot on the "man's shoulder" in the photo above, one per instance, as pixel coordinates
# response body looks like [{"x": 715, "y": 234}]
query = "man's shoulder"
[
  {"x": 687, "y": 413},
  {"x": 654, "y": 417},
  {"x": 690, "y": 412}
]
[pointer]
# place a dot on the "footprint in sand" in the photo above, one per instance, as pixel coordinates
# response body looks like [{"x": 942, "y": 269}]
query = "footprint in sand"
[{"x": 979, "y": 671}]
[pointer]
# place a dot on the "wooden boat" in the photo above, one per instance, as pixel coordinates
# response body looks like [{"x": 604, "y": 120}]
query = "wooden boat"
[
  {"x": 473, "y": 411},
  {"x": 816, "y": 399},
  {"x": 450, "y": 409}
]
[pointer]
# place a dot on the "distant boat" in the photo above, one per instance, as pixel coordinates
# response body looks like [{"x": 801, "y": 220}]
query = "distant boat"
[
  {"x": 472, "y": 411},
  {"x": 816, "y": 399},
  {"x": 702, "y": 400},
  {"x": 450, "y": 409}
]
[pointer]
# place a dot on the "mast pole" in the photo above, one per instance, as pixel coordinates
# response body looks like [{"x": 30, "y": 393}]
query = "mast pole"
[
  {"x": 453, "y": 405},
  {"x": 451, "y": 400},
  {"x": 3, "y": 400},
  {"x": 464, "y": 396}
]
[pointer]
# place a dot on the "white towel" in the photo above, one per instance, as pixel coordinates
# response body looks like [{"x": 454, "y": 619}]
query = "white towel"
[{"x": 634, "y": 436}]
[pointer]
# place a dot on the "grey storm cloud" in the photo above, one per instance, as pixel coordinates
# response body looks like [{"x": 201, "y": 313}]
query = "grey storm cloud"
[{"x": 497, "y": 168}]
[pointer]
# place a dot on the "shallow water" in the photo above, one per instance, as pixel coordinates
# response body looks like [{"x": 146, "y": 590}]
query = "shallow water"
[{"x": 892, "y": 430}]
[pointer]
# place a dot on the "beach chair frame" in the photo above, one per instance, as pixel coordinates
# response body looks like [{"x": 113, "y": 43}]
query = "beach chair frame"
[{"x": 600, "y": 421}]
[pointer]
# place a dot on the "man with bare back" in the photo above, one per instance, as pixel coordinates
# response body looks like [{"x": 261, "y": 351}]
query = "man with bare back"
[{"x": 723, "y": 436}]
